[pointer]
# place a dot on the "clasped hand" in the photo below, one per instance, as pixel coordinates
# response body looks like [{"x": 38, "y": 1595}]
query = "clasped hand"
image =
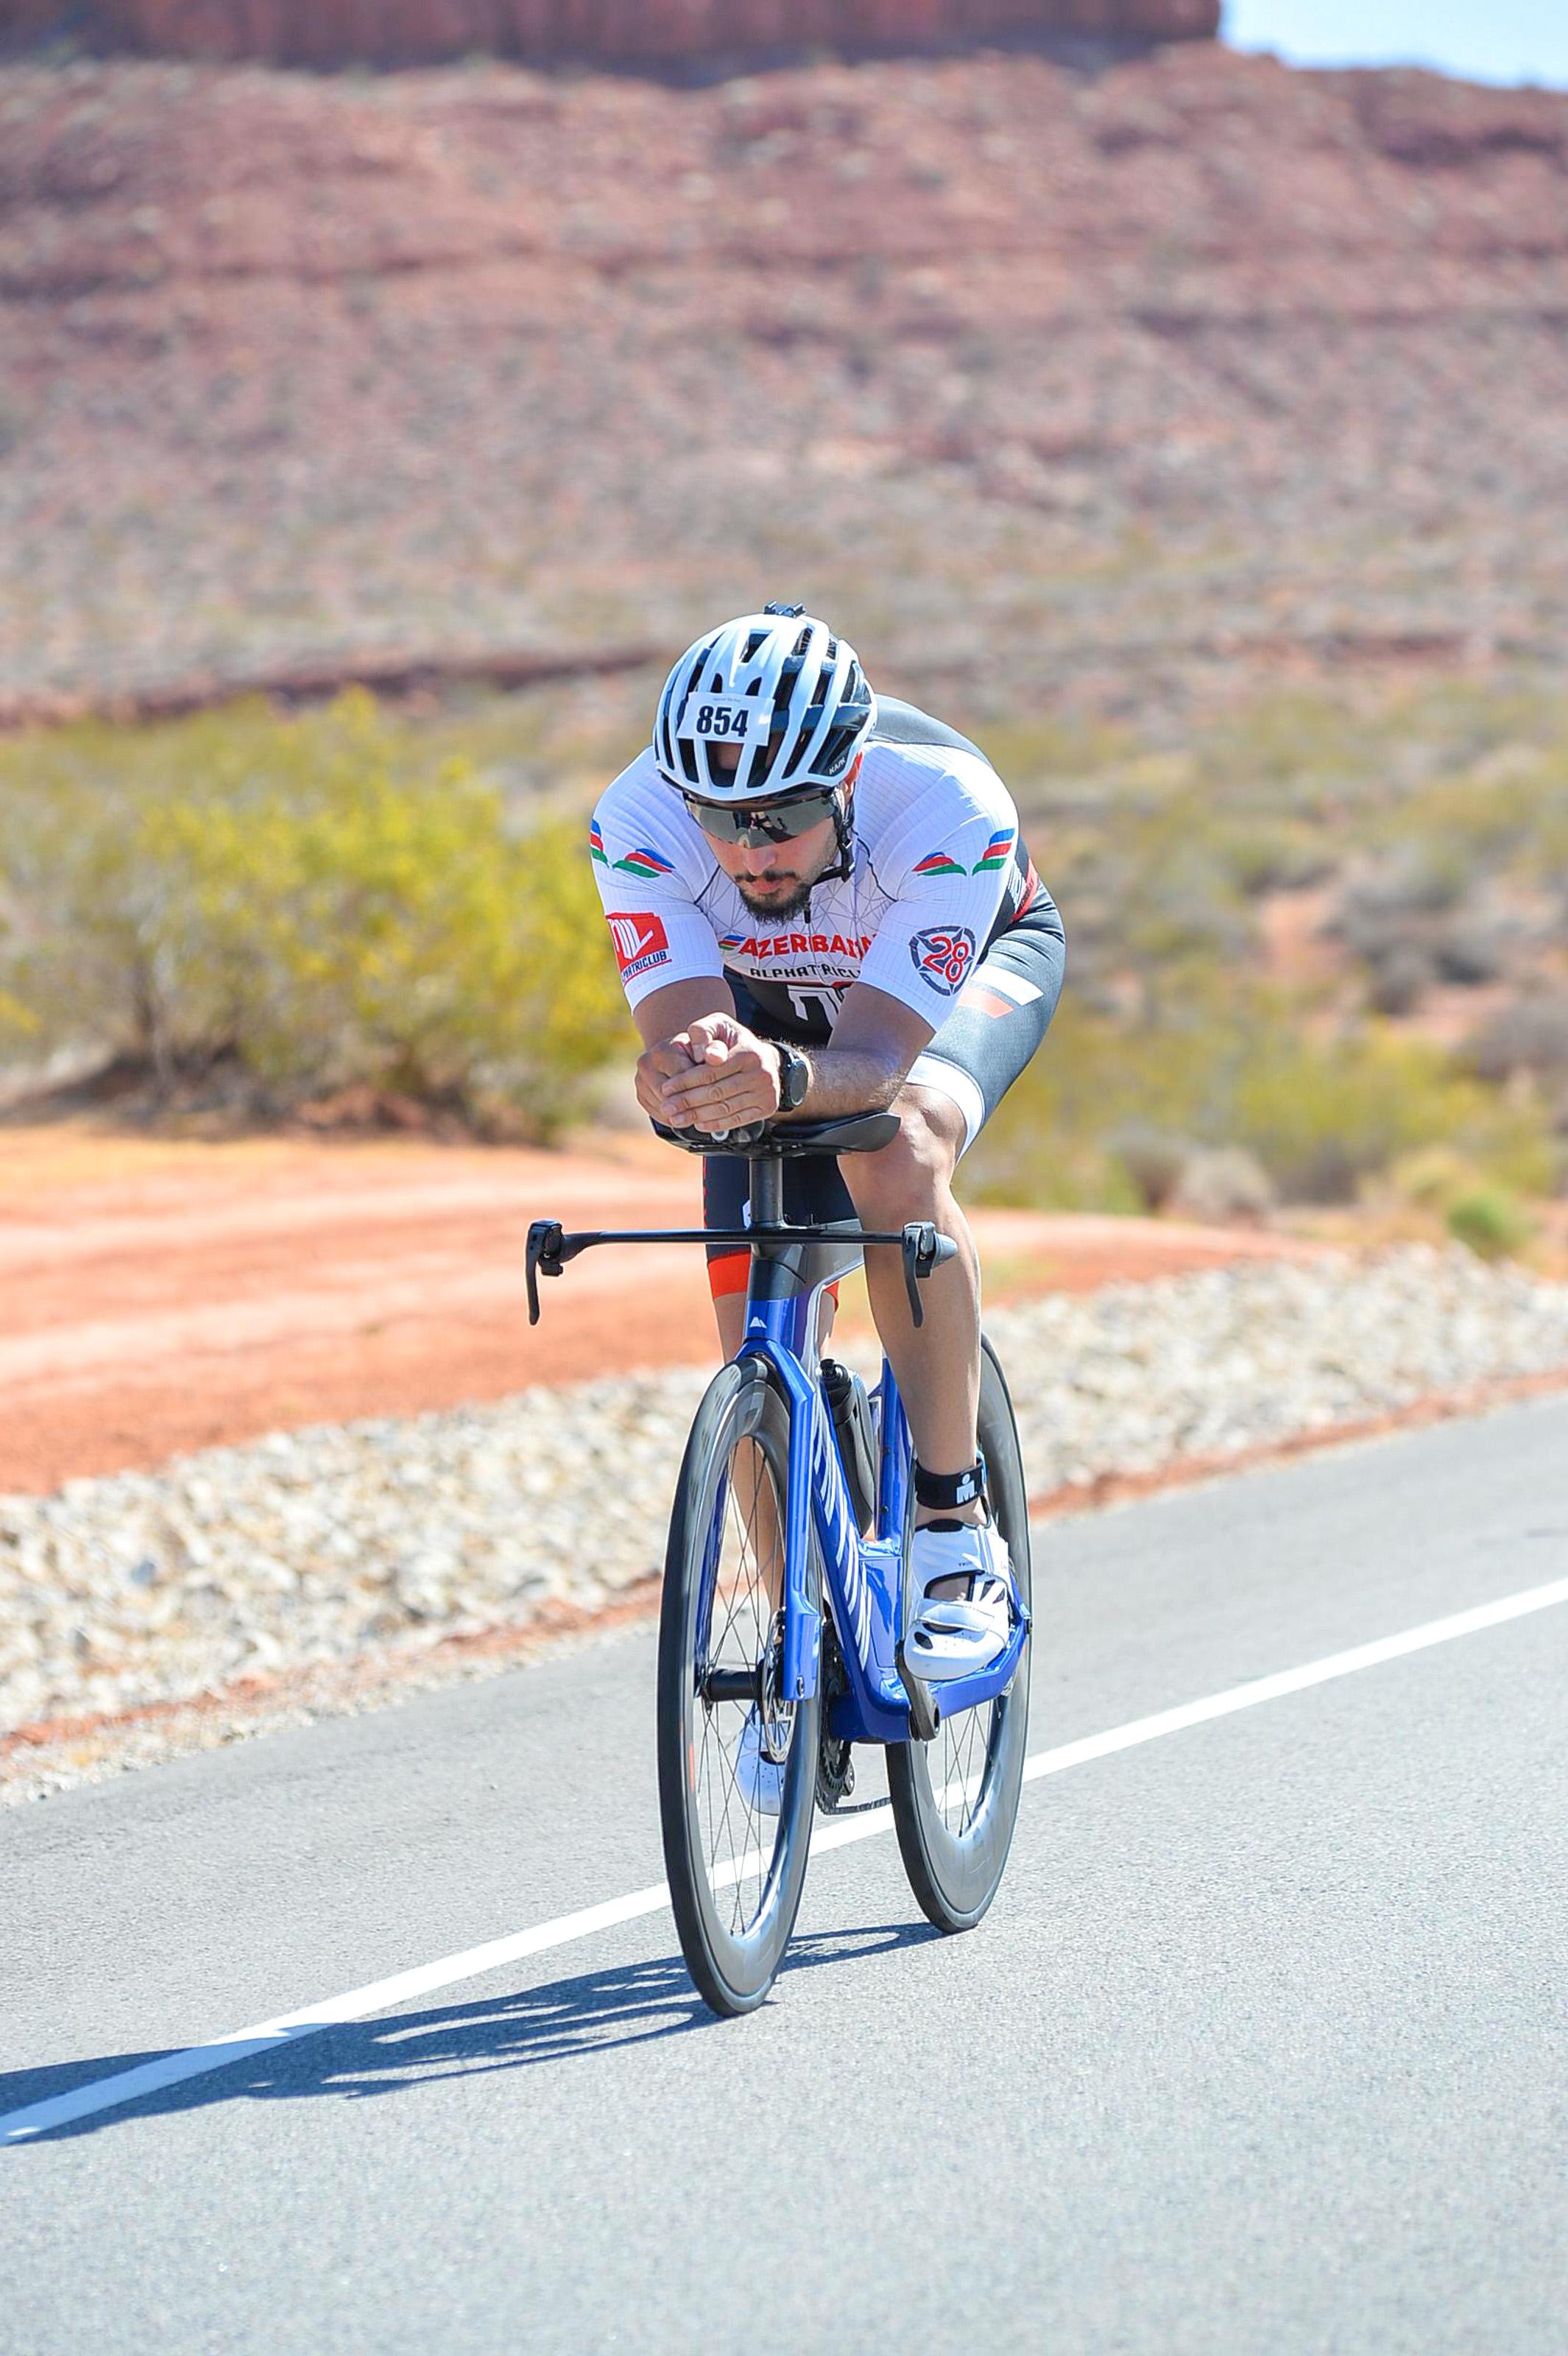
[{"x": 715, "y": 1075}]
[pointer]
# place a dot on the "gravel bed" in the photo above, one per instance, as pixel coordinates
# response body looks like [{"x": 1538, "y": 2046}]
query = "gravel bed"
[{"x": 355, "y": 1543}]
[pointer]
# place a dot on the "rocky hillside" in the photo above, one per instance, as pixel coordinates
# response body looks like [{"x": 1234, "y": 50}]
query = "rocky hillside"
[
  {"x": 335, "y": 32},
  {"x": 1043, "y": 380}
]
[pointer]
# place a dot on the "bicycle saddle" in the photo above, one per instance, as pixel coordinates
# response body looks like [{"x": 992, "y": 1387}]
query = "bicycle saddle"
[{"x": 855, "y": 1132}]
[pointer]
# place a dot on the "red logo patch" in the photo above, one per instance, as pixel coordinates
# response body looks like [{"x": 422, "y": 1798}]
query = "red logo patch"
[{"x": 640, "y": 941}]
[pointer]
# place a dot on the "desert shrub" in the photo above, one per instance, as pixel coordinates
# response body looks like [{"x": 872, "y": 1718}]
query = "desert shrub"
[
  {"x": 1154, "y": 1161},
  {"x": 1531, "y": 1035},
  {"x": 1323, "y": 1116},
  {"x": 1475, "y": 948},
  {"x": 1433, "y": 1177},
  {"x": 1238, "y": 1068},
  {"x": 1263, "y": 857},
  {"x": 1399, "y": 978},
  {"x": 1505, "y": 813},
  {"x": 294, "y": 905},
  {"x": 1491, "y": 1221},
  {"x": 1223, "y": 1182}
]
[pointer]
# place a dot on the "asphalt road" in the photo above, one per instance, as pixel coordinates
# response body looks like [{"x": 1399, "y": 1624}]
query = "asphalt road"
[{"x": 1265, "y": 2046}]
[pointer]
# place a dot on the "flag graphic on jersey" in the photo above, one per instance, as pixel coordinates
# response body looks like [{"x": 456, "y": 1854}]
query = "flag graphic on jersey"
[
  {"x": 645, "y": 862},
  {"x": 596, "y": 845},
  {"x": 937, "y": 862},
  {"x": 997, "y": 851}
]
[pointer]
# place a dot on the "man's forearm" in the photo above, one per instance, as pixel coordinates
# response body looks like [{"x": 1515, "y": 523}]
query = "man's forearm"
[{"x": 848, "y": 1079}]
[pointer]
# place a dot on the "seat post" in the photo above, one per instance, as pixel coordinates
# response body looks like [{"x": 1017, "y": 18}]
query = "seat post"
[{"x": 767, "y": 1191}]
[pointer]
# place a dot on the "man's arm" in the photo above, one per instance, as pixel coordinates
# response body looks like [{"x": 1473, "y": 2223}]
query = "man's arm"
[
  {"x": 715, "y": 1074},
  {"x": 664, "y": 1020}
]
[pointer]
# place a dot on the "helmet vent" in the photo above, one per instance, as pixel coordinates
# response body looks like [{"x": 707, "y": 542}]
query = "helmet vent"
[{"x": 811, "y": 700}]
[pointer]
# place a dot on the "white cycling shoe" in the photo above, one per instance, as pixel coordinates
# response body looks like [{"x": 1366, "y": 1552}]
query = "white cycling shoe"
[
  {"x": 759, "y": 1779},
  {"x": 955, "y": 1636}
]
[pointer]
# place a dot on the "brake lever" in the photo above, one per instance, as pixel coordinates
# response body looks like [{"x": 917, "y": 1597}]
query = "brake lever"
[
  {"x": 924, "y": 1250},
  {"x": 545, "y": 1237}
]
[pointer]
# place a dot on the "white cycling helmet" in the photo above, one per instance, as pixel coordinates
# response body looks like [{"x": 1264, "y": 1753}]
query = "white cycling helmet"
[{"x": 780, "y": 686}]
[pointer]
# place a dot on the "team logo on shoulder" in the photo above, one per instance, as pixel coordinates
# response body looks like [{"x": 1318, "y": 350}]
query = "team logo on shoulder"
[
  {"x": 641, "y": 941},
  {"x": 944, "y": 955},
  {"x": 938, "y": 862},
  {"x": 997, "y": 851},
  {"x": 596, "y": 846}
]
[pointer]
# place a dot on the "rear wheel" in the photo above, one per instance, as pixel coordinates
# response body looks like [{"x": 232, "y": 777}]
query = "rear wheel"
[
  {"x": 955, "y": 1798},
  {"x": 735, "y": 1869}
]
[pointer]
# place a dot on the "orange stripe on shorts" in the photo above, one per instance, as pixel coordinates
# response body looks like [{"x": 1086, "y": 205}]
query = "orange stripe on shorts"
[{"x": 731, "y": 1272}]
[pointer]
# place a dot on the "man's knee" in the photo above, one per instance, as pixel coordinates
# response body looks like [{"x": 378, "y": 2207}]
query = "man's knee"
[{"x": 907, "y": 1178}]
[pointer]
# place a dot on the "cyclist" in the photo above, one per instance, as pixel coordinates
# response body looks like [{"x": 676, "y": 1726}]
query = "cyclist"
[{"x": 820, "y": 905}]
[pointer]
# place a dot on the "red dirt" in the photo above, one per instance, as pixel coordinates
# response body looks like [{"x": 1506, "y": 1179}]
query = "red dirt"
[{"x": 161, "y": 1296}]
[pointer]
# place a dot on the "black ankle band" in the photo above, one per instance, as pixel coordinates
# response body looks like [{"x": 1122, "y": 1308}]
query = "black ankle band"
[{"x": 943, "y": 1490}]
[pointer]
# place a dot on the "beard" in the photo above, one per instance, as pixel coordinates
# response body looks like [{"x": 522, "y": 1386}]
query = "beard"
[{"x": 776, "y": 904}]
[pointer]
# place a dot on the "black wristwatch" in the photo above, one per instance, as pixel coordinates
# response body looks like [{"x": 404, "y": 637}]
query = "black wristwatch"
[{"x": 795, "y": 1077}]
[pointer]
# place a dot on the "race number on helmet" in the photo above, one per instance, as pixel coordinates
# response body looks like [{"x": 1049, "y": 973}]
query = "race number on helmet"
[{"x": 788, "y": 698}]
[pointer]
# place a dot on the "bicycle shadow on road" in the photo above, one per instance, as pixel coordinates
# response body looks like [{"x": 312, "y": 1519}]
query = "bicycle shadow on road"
[{"x": 590, "y": 2014}]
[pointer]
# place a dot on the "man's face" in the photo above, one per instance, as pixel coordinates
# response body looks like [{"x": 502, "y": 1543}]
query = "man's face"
[{"x": 774, "y": 878}]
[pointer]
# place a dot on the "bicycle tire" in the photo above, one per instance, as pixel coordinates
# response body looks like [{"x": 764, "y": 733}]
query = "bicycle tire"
[
  {"x": 956, "y": 1867},
  {"x": 720, "y": 1851}
]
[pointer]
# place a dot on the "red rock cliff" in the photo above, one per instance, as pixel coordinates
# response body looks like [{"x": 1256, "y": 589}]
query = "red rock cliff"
[{"x": 322, "y": 32}]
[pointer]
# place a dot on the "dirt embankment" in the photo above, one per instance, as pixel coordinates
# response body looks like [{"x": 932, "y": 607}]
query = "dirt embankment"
[
  {"x": 1046, "y": 383},
  {"x": 659, "y": 32},
  {"x": 162, "y": 1297}
]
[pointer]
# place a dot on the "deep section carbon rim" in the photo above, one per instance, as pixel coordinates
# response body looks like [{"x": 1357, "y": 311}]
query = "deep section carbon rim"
[
  {"x": 737, "y": 1758},
  {"x": 955, "y": 1798}
]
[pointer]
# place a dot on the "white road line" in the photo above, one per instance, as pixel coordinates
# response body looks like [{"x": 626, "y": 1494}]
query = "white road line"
[{"x": 268, "y": 2036}]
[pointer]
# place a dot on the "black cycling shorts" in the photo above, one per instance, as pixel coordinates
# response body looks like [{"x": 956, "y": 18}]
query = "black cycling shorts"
[{"x": 1002, "y": 1014}]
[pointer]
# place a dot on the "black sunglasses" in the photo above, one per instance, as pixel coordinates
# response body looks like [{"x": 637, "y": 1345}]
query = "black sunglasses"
[{"x": 750, "y": 826}]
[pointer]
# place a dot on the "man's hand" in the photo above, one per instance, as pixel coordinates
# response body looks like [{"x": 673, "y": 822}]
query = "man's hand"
[{"x": 716, "y": 1074}]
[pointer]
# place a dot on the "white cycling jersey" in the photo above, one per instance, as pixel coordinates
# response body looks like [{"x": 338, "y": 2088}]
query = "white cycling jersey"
[{"x": 937, "y": 872}]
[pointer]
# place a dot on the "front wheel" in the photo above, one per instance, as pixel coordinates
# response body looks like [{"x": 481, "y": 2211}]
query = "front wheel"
[
  {"x": 955, "y": 1798},
  {"x": 727, "y": 1737}
]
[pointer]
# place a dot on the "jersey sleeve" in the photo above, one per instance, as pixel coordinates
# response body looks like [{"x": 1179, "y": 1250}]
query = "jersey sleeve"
[
  {"x": 648, "y": 878},
  {"x": 945, "y": 870}
]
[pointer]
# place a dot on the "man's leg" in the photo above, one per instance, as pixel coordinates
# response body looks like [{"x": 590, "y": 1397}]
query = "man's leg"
[{"x": 937, "y": 1364}]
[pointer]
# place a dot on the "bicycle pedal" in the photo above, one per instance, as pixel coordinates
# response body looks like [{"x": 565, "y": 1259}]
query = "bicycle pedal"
[{"x": 925, "y": 1709}]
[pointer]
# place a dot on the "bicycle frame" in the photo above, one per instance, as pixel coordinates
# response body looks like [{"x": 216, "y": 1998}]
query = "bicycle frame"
[
  {"x": 863, "y": 1577},
  {"x": 792, "y": 1268}
]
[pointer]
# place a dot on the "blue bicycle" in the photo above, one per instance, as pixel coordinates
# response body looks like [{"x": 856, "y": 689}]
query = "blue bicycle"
[{"x": 785, "y": 1597}]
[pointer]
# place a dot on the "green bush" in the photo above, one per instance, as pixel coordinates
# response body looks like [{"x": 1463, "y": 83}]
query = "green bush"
[
  {"x": 278, "y": 897},
  {"x": 1493, "y": 1222},
  {"x": 1231, "y": 1066}
]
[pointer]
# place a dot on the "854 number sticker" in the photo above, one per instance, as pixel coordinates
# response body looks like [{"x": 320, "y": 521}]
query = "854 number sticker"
[{"x": 727, "y": 719}]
